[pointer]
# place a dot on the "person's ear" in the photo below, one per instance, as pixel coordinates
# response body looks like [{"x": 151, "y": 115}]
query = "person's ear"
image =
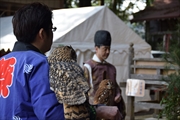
[
  {"x": 41, "y": 33},
  {"x": 96, "y": 48}
]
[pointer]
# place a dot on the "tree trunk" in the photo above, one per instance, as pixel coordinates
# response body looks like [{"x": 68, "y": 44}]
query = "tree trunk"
[
  {"x": 114, "y": 4},
  {"x": 102, "y": 2},
  {"x": 84, "y": 3}
]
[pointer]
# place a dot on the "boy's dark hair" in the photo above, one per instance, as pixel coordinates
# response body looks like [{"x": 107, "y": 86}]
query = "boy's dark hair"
[{"x": 29, "y": 19}]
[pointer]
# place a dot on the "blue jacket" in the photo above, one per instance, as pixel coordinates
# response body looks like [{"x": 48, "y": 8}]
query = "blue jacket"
[{"x": 25, "y": 92}]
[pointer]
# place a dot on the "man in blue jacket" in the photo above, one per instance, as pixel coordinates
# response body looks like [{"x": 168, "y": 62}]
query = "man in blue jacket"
[
  {"x": 24, "y": 80},
  {"x": 24, "y": 73}
]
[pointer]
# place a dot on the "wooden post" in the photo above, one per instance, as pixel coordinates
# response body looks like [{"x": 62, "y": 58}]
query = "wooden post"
[
  {"x": 130, "y": 99},
  {"x": 158, "y": 97}
]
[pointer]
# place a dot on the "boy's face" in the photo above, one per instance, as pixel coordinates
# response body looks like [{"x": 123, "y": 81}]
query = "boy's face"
[{"x": 102, "y": 52}]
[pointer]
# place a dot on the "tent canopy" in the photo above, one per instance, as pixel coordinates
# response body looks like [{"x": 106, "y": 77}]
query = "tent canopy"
[
  {"x": 77, "y": 27},
  {"x": 7, "y": 37}
]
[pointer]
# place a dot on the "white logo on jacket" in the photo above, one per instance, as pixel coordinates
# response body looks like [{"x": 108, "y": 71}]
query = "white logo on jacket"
[
  {"x": 27, "y": 68},
  {"x": 16, "y": 118}
]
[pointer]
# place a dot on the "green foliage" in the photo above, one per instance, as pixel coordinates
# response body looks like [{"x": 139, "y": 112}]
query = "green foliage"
[
  {"x": 149, "y": 3},
  {"x": 171, "y": 99}
]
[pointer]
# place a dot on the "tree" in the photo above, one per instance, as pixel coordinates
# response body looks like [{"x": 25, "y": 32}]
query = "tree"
[{"x": 171, "y": 99}]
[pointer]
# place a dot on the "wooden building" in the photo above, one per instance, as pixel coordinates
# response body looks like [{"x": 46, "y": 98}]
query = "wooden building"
[{"x": 161, "y": 21}]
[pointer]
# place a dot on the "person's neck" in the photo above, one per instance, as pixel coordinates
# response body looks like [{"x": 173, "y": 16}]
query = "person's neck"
[{"x": 37, "y": 46}]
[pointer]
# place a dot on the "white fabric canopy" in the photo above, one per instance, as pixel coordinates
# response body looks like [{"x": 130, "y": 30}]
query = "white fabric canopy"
[
  {"x": 77, "y": 26},
  {"x": 7, "y": 37}
]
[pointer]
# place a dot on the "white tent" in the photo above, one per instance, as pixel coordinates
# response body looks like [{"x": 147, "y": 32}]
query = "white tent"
[
  {"x": 7, "y": 37},
  {"x": 77, "y": 26}
]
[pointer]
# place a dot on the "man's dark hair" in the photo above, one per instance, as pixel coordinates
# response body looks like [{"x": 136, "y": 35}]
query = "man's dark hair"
[{"x": 29, "y": 19}]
